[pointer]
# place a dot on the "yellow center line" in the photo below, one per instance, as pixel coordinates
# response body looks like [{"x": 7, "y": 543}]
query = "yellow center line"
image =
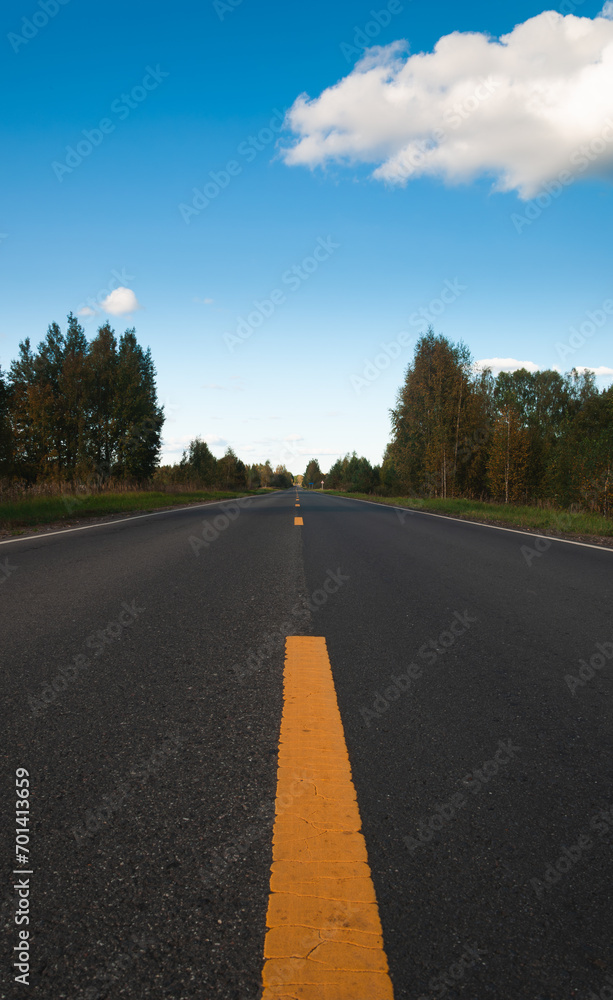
[
  {"x": 324, "y": 939},
  {"x": 298, "y": 520}
]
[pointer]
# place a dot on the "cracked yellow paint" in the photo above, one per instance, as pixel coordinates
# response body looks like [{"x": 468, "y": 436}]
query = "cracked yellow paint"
[
  {"x": 324, "y": 939},
  {"x": 298, "y": 520}
]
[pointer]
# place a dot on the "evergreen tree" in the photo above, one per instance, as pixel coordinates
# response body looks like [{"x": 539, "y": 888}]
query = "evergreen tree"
[
  {"x": 6, "y": 431},
  {"x": 138, "y": 418},
  {"x": 199, "y": 464},
  {"x": 313, "y": 474},
  {"x": 72, "y": 385}
]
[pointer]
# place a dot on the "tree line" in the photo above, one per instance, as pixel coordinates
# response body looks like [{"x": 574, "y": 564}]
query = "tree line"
[
  {"x": 519, "y": 437},
  {"x": 74, "y": 410},
  {"x": 199, "y": 468}
]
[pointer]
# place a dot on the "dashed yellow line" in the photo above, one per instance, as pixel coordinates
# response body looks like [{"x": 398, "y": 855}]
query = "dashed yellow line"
[
  {"x": 298, "y": 520},
  {"x": 324, "y": 939}
]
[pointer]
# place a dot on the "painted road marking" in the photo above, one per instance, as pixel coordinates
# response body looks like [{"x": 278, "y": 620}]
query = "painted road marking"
[
  {"x": 298, "y": 520},
  {"x": 324, "y": 939}
]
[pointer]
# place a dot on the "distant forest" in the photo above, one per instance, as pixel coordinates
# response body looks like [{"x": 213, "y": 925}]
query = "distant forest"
[
  {"x": 75, "y": 412},
  {"x": 521, "y": 437}
]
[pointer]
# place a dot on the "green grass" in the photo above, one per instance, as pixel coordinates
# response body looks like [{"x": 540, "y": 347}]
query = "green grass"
[
  {"x": 541, "y": 519},
  {"x": 28, "y": 513}
]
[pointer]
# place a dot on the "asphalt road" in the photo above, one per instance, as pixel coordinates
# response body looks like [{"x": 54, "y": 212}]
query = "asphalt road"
[{"x": 142, "y": 667}]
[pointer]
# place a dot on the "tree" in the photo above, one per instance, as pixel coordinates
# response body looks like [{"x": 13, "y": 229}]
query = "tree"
[
  {"x": 313, "y": 474},
  {"x": 429, "y": 418},
  {"x": 27, "y": 430},
  {"x": 508, "y": 460},
  {"x": 6, "y": 431},
  {"x": 102, "y": 436},
  {"x": 73, "y": 391},
  {"x": 198, "y": 463},
  {"x": 231, "y": 472},
  {"x": 281, "y": 478}
]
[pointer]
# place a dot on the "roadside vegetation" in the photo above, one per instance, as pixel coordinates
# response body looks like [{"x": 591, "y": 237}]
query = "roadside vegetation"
[
  {"x": 81, "y": 435},
  {"x": 538, "y": 519},
  {"x": 530, "y": 449},
  {"x": 66, "y": 509}
]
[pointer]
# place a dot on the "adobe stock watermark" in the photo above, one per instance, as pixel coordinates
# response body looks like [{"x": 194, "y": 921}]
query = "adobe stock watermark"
[
  {"x": 565, "y": 8},
  {"x": 212, "y": 529},
  {"x": 374, "y": 368},
  {"x": 581, "y": 159},
  {"x": 6, "y": 571},
  {"x": 261, "y": 827},
  {"x": 122, "y": 107},
  {"x": 595, "y": 320},
  {"x": 223, "y": 7},
  {"x": 602, "y": 824},
  {"x": 605, "y": 992},
  {"x": 103, "y": 812},
  {"x": 429, "y": 652},
  {"x": 443, "y": 813},
  {"x": 364, "y": 37},
  {"x": 274, "y": 641},
  {"x": 219, "y": 180},
  {"x": 423, "y": 149},
  {"x": 292, "y": 279},
  {"x": 450, "y": 293},
  {"x": 97, "y": 643},
  {"x": 562, "y": 522},
  {"x": 587, "y": 670},
  {"x": 439, "y": 984},
  {"x": 30, "y": 26}
]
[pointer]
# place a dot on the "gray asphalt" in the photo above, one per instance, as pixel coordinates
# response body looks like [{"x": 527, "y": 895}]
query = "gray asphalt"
[{"x": 141, "y": 677}]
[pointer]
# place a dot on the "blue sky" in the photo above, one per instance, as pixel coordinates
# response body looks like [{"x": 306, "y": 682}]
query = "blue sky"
[{"x": 169, "y": 99}]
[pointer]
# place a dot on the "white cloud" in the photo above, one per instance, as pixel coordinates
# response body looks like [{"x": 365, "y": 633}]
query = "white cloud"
[
  {"x": 120, "y": 301},
  {"x": 601, "y": 370},
  {"x": 204, "y": 302},
  {"x": 505, "y": 365},
  {"x": 518, "y": 108},
  {"x": 86, "y": 312},
  {"x": 607, "y": 10}
]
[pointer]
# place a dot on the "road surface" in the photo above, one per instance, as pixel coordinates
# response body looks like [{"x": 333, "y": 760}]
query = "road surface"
[{"x": 142, "y": 684}]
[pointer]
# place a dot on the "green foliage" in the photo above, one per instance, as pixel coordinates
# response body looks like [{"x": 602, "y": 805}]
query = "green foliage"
[
  {"x": 354, "y": 475},
  {"x": 313, "y": 475},
  {"x": 87, "y": 411},
  {"x": 6, "y": 433},
  {"x": 523, "y": 437}
]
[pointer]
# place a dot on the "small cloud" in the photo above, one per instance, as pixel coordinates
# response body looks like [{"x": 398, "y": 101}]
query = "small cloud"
[
  {"x": 86, "y": 312},
  {"x": 204, "y": 302},
  {"x": 602, "y": 369},
  {"x": 607, "y": 10},
  {"x": 120, "y": 301},
  {"x": 505, "y": 365}
]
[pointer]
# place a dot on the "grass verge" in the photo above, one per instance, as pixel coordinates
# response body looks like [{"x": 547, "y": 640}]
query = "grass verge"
[
  {"x": 540, "y": 519},
  {"x": 30, "y": 513}
]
